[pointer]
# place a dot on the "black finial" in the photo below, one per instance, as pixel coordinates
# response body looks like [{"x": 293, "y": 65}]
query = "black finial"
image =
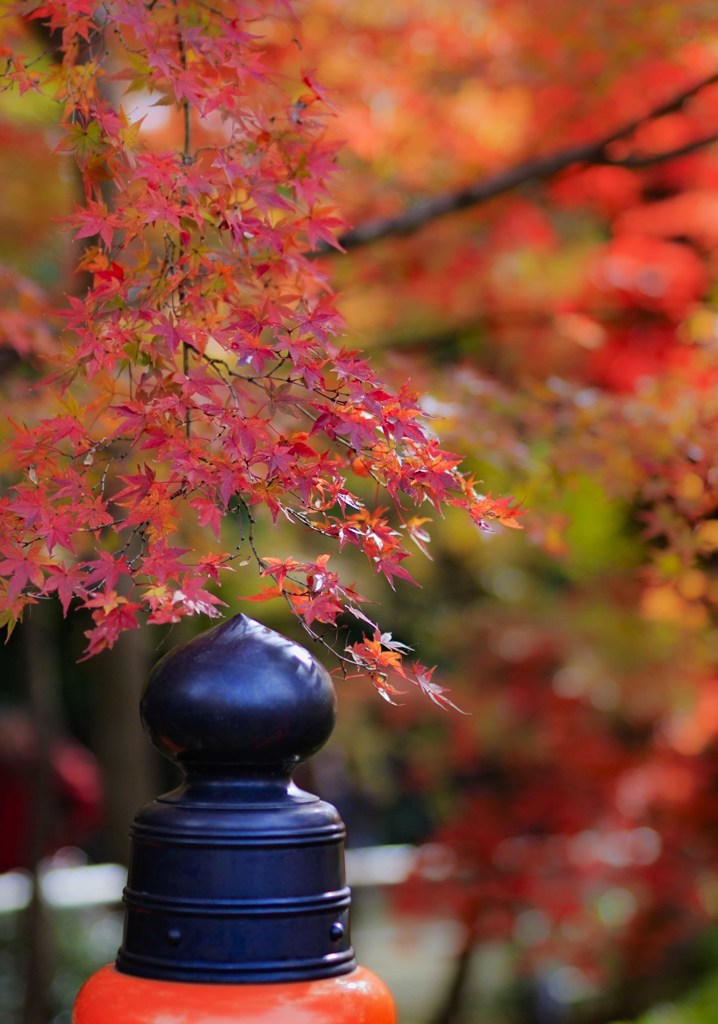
[
  {"x": 239, "y": 694},
  {"x": 237, "y": 875}
]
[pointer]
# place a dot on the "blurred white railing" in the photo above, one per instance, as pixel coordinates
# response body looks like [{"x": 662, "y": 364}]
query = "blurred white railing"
[{"x": 67, "y": 885}]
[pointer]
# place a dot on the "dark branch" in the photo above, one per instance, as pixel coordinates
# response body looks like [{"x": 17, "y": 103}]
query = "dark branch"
[{"x": 538, "y": 169}]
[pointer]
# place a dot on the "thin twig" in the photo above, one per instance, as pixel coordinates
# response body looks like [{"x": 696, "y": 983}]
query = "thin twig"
[
  {"x": 186, "y": 159},
  {"x": 636, "y": 160}
]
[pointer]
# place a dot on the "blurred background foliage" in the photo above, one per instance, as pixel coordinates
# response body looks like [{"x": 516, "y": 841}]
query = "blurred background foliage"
[{"x": 562, "y": 326}]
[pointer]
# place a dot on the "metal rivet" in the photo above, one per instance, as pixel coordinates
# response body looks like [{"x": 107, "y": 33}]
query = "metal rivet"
[
  {"x": 174, "y": 936},
  {"x": 336, "y": 932}
]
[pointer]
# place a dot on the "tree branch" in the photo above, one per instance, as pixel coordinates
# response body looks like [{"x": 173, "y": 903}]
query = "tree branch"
[
  {"x": 638, "y": 160},
  {"x": 537, "y": 169}
]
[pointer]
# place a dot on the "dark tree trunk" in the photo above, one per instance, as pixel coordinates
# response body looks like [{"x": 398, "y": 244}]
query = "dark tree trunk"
[
  {"x": 127, "y": 760},
  {"x": 39, "y": 656},
  {"x": 451, "y": 1008}
]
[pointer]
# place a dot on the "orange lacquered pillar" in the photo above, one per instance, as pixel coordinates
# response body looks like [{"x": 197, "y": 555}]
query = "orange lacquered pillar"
[{"x": 236, "y": 907}]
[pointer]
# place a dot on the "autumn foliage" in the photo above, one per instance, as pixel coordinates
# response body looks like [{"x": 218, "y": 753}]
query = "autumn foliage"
[
  {"x": 201, "y": 373},
  {"x": 532, "y": 193}
]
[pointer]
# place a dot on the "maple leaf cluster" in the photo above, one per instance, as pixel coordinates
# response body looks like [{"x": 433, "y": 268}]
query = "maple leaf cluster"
[{"x": 200, "y": 377}]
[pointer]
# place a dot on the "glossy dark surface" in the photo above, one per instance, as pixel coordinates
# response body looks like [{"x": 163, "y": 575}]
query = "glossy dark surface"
[
  {"x": 237, "y": 875},
  {"x": 239, "y": 694}
]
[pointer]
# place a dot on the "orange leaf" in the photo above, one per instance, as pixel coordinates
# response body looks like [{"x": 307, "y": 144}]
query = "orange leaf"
[{"x": 264, "y": 595}]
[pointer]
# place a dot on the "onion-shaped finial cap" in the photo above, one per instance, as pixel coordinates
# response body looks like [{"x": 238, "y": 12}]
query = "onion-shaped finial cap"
[{"x": 239, "y": 694}]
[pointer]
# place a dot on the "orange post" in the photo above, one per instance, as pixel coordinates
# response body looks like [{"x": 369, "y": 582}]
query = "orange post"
[
  {"x": 236, "y": 907},
  {"x": 113, "y": 998}
]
